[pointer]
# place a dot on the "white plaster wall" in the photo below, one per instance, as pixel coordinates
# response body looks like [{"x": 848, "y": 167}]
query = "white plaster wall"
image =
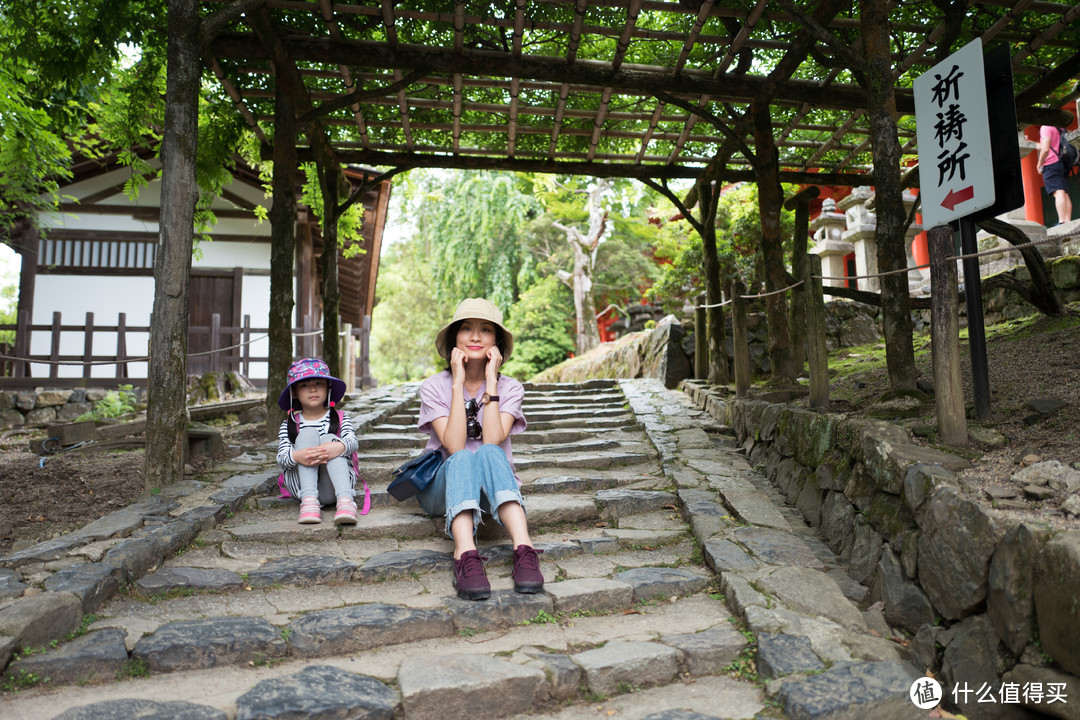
[
  {"x": 75, "y": 295},
  {"x": 218, "y": 254},
  {"x": 255, "y": 301}
]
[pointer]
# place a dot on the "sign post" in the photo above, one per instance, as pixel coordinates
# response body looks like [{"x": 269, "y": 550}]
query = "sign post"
[{"x": 957, "y": 178}]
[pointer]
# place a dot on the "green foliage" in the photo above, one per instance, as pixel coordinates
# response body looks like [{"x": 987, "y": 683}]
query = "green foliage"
[
  {"x": 472, "y": 224},
  {"x": 542, "y": 618},
  {"x": 682, "y": 276},
  {"x": 350, "y": 226},
  {"x": 133, "y": 668},
  {"x": 542, "y": 328},
  {"x": 738, "y": 247},
  {"x": 406, "y": 316},
  {"x": 115, "y": 403},
  {"x": 21, "y": 679},
  {"x": 9, "y": 289}
]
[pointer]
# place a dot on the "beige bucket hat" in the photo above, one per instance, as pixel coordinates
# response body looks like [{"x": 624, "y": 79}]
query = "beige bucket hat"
[{"x": 482, "y": 310}]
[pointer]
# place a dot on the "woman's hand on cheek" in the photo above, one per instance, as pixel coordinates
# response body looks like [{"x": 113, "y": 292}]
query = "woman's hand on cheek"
[
  {"x": 457, "y": 364},
  {"x": 494, "y": 360}
]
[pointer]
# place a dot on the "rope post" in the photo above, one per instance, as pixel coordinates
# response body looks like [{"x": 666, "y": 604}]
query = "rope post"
[
  {"x": 740, "y": 338},
  {"x": 347, "y": 354},
  {"x": 945, "y": 338},
  {"x": 215, "y": 342},
  {"x": 88, "y": 344},
  {"x": 817, "y": 355},
  {"x": 22, "y": 343},
  {"x": 701, "y": 341}
]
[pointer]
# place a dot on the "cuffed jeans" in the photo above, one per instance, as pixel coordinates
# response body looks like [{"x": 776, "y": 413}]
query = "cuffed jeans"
[
  {"x": 477, "y": 481},
  {"x": 328, "y": 482}
]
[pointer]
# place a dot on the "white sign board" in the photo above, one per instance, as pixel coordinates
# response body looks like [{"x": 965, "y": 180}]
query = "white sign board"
[{"x": 956, "y": 173}]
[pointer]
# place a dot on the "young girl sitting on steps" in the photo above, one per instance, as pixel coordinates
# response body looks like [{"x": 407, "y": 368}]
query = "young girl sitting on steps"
[{"x": 315, "y": 442}]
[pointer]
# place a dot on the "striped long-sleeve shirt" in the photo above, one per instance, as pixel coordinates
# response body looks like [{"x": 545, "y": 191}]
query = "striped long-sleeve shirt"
[{"x": 285, "y": 446}]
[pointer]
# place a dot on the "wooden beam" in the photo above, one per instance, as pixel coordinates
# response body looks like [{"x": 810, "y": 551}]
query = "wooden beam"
[{"x": 595, "y": 169}]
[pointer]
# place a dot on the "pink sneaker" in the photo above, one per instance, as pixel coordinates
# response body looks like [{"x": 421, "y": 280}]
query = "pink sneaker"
[
  {"x": 346, "y": 511},
  {"x": 310, "y": 511}
]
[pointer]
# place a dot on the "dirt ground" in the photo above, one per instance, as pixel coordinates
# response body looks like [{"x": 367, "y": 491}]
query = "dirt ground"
[
  {"x": 47, "y": 497},
  {"x": 1036, "y": 360}
]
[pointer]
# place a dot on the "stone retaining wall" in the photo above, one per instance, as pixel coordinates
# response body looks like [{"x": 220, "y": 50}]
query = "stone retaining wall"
[
  {"x": 981, "y": 595},
  {"x": 43, "y": 405},
  {"x": 1001, "y": 304}
]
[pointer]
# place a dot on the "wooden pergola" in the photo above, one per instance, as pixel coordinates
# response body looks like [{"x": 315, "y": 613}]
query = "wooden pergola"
[{"x": 610, "y": 87}]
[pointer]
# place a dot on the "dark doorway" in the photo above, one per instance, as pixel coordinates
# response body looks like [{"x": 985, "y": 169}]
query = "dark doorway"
[{"x": 214, "y": 292}]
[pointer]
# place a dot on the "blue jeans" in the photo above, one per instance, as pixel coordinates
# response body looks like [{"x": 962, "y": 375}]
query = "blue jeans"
[{"x": 476, "y": 481}]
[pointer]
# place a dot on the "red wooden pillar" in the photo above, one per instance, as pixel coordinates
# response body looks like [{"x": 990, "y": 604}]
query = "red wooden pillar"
[
  {"x": 920, "y": 253},
  {"x": 1033, "y": 185}
]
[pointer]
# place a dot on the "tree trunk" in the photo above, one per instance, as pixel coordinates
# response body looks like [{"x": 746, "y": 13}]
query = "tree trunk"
[
  {"x": 580, "y": 282},
  {"x": 588, "y": 334},
  {"x": 770, "y": 199},
  {"x": 1040, "y": 292},
  {"x": 282, "y": 253},
  {"x": 329, "y": 175},
  {"x": 889, "y": 205},
  {"x": 166, "y": 411},
  {"x": 718, "y": 367},
  {"x": 801, "y": 204}
]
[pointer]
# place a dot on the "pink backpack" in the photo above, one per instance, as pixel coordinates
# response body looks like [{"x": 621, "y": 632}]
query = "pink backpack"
[{"x": 284, "y": 491}]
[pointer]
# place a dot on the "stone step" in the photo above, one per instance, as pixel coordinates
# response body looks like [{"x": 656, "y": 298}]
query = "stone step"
[
  {"x": 212, "y": 642},
  {"x": 252, "y": 615}
]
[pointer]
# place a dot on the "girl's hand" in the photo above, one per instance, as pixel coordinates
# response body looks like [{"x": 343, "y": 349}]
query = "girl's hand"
[
  {"x": 333, "y": 449},
  {"x": 457, "y": 365},
  {"x": 311, "y": 456},
  {"x": 494, "y": 362}
]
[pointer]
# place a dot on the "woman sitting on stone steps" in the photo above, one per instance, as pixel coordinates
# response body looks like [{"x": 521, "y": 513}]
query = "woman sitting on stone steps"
[{"x": 469, "y": 412}]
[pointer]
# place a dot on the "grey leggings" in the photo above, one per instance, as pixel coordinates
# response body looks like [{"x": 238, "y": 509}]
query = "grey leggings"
[{"x": 329, "y": 481}]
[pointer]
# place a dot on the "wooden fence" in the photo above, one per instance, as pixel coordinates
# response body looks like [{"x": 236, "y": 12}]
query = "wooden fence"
[{"x": 228, "y": 348}]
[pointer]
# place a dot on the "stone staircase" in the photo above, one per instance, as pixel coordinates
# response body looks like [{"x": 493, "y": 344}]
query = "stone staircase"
[{"x": 677, "y": 583}]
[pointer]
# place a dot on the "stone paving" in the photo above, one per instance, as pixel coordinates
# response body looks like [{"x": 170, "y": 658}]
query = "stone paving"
[{"x": 679, "y": 586}]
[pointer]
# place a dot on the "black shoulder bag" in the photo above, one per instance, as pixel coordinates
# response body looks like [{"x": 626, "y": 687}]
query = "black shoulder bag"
[{"x": 414, "y": 476}]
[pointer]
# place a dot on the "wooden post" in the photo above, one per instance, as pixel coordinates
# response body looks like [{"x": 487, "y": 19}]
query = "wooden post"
[
  {"x": 816, "y": 353},
  {"x": 800, "y": 203},
  {"x": 740, "y": 339},
  {"x": 701, "y": 341},
  {"x": 945, "y": 339},
  {"x": 31, "y": 256},
  {"x": 365, "y": 353},
  {"x": 347, "y": 352},
  {"x": 54, "y": 352},
  {"x": 88, "y": 344},
  {"x": 215, "y": 342},
  {"x": 245, "y": 337},
  {"x": 22, "y": 343},
  {"x": 121, "y": 345}
]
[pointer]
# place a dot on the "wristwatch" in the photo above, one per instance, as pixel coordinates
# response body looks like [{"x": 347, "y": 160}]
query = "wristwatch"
[{"x": 488, "y": 398}]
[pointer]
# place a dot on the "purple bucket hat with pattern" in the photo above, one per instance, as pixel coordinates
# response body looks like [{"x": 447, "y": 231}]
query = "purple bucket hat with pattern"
[{"x": 306, "y": 369}]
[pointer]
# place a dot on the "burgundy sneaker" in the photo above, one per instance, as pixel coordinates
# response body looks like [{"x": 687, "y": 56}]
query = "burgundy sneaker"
[
  {"x": 469, "y": 577},
  {"x": 527, "y": 576}
]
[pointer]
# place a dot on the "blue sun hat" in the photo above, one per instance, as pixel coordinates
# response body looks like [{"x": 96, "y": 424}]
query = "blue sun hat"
[{"x": 306, "y": 369}]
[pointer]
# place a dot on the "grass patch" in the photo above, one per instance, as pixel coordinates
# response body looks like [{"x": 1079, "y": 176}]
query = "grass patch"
[
  {"x": 133, "y": 668},
  {"x": 21, "y": 679}
]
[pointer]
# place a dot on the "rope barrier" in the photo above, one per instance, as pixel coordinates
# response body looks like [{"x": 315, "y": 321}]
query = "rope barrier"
[
  {"x": 996, "y": 251},
  {"x": 753, "y": 297},
  {"x": 867, "y": 277},
  {"x": 146, "y": 358}
]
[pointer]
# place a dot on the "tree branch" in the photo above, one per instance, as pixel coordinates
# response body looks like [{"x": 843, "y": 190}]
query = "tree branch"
[
  {"x": 714, "y": 120},
  {"x": 366, "y": 185},
  {"x": 819, "y": 33},
  {"x": 211, "y": 25}
]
